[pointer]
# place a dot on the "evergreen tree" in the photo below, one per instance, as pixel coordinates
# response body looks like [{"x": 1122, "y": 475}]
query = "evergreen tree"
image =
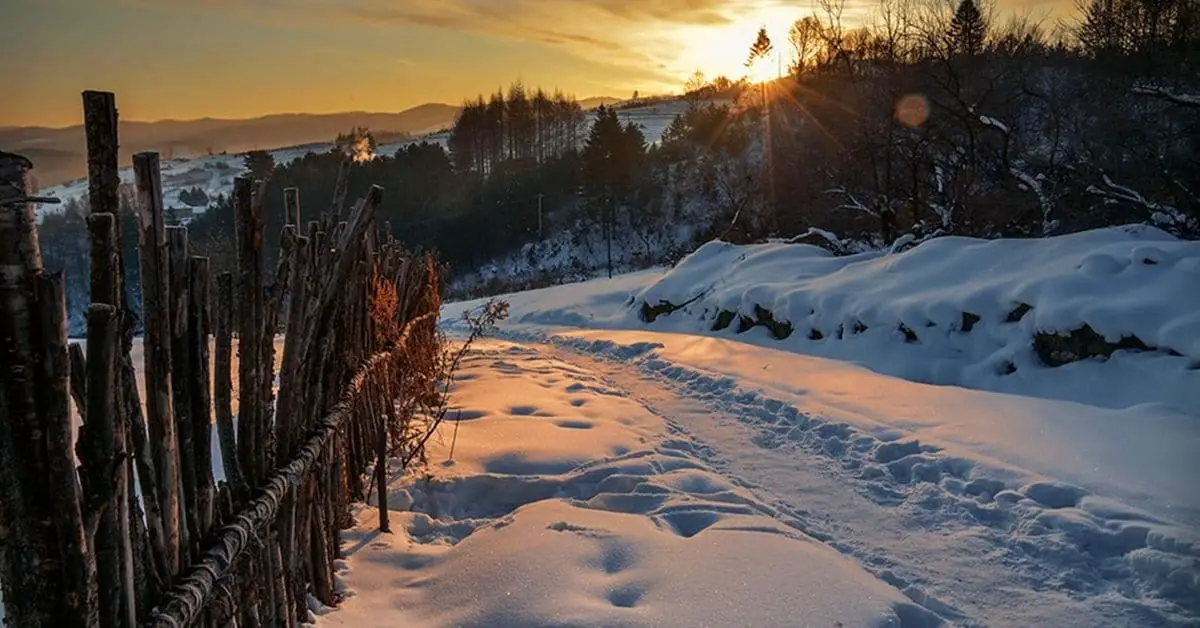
[
  {"x": 259, "y": 164},
  {"x": 968, "y": 29},
  {"x": 761, "y": 47}
]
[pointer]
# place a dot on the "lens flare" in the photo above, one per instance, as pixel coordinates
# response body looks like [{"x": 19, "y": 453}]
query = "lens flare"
[{"x": 912, "y": 110}]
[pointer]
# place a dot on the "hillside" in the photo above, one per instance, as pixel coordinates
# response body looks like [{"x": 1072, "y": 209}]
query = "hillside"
[
  {"x": 58, "y": 154},
  {"x": 215, "y": 173}
]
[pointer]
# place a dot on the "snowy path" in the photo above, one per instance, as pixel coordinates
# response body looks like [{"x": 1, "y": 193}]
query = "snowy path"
[
  {"x": 905, "y": 512},
  {"x": 604, "y": 478}
]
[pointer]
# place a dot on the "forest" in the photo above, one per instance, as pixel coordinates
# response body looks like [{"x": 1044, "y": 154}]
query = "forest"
[{"x": 926, "y": 120}]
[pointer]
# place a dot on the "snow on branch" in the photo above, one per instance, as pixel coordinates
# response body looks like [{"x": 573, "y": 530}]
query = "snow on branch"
[
  {"x": 1162, "y": 93},
  {"x": 1160, "y": 214},
  {"x": 828, "y": 236},
  {"x": 994, "y": 123},
  {"x": 852, "y": 203},
  {"x": 1047, "y": 206}
]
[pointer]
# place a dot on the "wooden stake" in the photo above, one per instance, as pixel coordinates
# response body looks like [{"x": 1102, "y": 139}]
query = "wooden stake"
[
  {"x": 157, "y": 350},
  {"x": 104, "y": 470},
  {"x": 78, "y": 562},
  {"x": 181, "y": 380},
  {"x": 200, "y": 393},
  {"x": 223, "y": 385},
  {"x": 248, "y": 221}
]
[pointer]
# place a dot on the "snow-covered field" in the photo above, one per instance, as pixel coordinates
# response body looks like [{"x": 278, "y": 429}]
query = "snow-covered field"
[{"x": 609, "y": 471}]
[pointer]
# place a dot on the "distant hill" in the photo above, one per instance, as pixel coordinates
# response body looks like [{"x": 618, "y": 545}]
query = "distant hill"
[
  {"x": 592, "y": 103},
  {"x": 59, "y": 154}
]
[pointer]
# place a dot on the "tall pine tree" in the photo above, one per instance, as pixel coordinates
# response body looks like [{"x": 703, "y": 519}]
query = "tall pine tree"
[
  {"x": 761, "y": 47},
  {"x": 968, "y": 29}
]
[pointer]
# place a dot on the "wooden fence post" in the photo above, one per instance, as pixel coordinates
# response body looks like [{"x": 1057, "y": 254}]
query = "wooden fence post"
[
  {"x": 114, "y": 528},
  {"x": 26, "y": 574},
  {"x": 249, "y": 288},
  {"x": 157, "y": 337},
  {"x": 181, "y": 377},
  {"x": 198, "y": 333},
  {"x": 223, "y": 384},
  {"x": 79, "y": 564},
  {"x": 98, "y": 451}
]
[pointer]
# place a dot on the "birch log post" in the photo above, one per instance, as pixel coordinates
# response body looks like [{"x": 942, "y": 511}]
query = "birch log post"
[{"x": 157, "y": 349}]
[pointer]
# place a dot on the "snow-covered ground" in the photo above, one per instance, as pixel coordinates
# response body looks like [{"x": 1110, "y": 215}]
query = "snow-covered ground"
[{"x": 610, "y": 471}]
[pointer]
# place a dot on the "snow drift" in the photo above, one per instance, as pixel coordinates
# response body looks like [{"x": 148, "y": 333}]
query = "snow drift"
[{"x": 961, "y": 311}]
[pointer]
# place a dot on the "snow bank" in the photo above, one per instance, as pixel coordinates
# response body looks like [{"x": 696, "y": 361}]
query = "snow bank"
[
  {"x": 1127, "y": 281},
  {"x": 567, "y": 503},
  {"x": 1119, "y": 307}
]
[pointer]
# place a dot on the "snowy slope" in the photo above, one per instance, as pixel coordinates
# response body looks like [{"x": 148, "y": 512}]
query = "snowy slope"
[{"x": 903, "y": 314}]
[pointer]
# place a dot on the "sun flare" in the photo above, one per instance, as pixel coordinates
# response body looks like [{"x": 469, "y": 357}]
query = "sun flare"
[{"x": 722, "y": 50}]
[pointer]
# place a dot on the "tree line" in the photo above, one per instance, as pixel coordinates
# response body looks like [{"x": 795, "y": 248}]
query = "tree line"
[{"x": 518, "y": 126}]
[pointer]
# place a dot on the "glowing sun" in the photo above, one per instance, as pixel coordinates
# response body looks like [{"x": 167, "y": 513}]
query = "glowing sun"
[{"x": 723, "y": 50}]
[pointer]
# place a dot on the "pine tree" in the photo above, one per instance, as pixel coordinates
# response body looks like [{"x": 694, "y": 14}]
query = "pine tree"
[
  {"x": 968, "y": 29},
  {"x": 761, "y": 47},
  {"x": 259, "y": 163}
]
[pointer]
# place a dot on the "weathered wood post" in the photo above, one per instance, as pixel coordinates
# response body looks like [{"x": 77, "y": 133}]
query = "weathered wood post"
[
  {"x": 223, "y": 383},
  {"x": 200, "y": 393},
  {"x": 105, "y": 436},
  {"x": 181, "y": 377},
  {"x": 249, "y": 289},
  {"x": 78, "y": 563},
  {"x": 27, "y": 566},
  {"x": 157, "y": 338},
  {"x": 103, "y": 469}
]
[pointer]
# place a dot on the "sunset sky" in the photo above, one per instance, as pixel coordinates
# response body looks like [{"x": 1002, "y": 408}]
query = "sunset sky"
[{"x": 185, "y": 59}]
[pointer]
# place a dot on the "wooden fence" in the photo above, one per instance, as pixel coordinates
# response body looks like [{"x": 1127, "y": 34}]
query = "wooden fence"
[{"x": 122, "y": 523}]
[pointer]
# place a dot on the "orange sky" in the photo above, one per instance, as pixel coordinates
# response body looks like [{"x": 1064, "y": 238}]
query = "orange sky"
[{"x": 186, "y": 59}]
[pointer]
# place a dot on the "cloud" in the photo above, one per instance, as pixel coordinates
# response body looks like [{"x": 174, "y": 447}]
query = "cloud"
[{"x": 641, "y": 37}]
